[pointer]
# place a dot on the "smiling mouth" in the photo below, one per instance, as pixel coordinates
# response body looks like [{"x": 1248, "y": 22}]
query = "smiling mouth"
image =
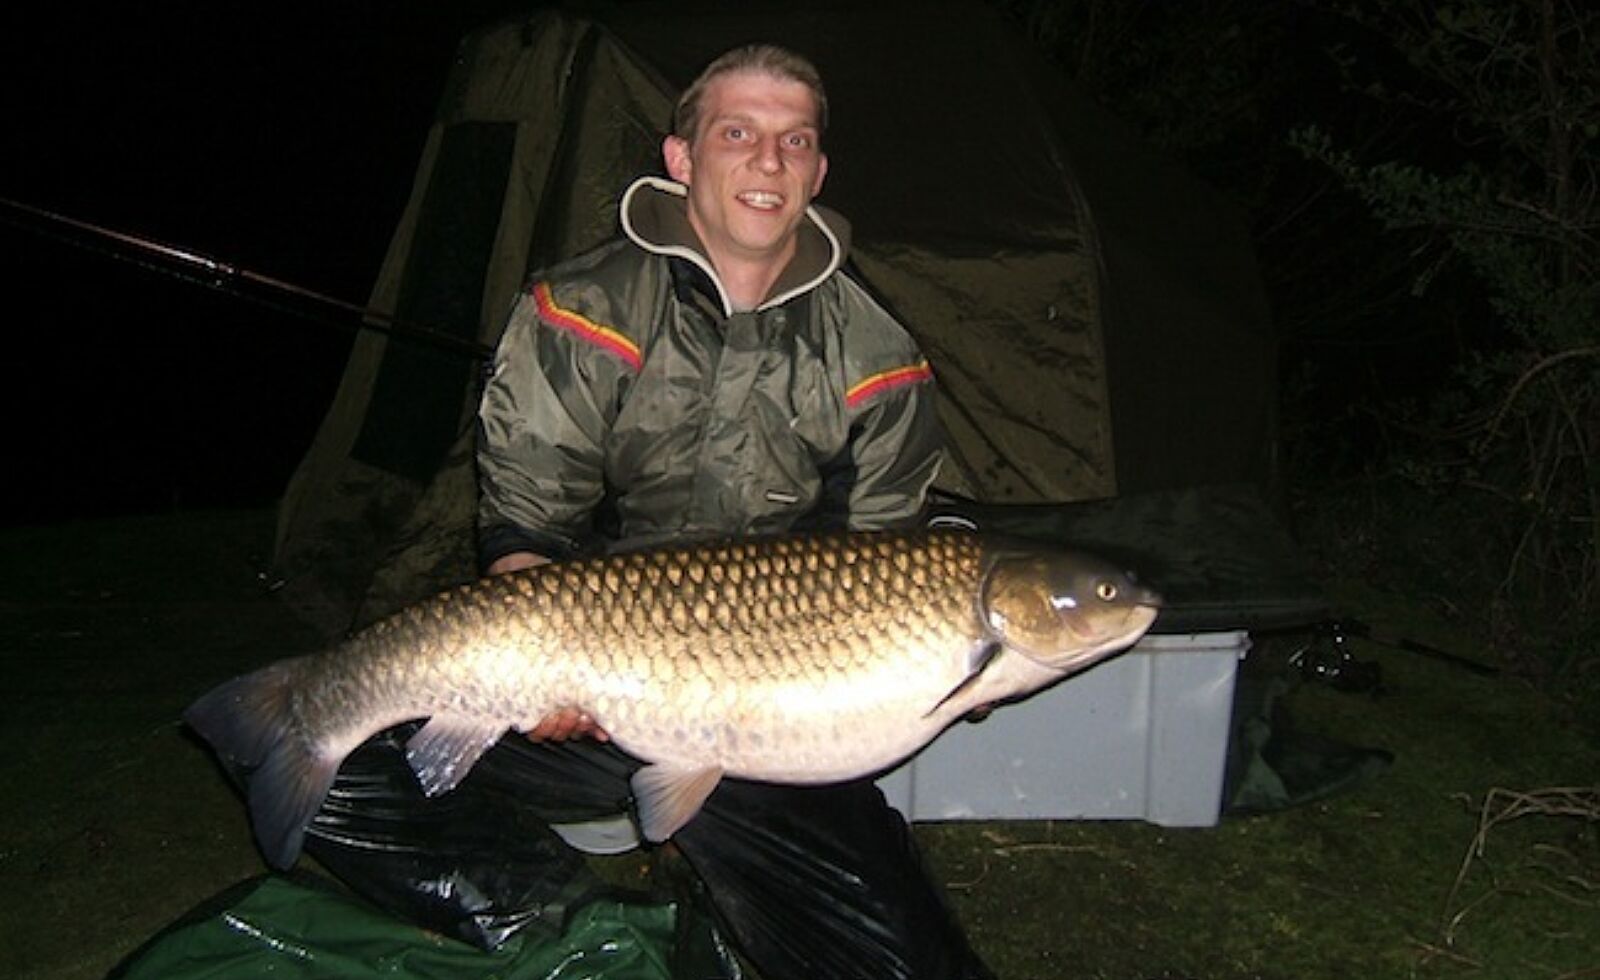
[{"x": 763, "y": 200}]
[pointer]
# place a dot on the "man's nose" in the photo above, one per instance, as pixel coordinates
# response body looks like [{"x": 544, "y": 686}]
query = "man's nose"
[{"x": 768, "y": 159}]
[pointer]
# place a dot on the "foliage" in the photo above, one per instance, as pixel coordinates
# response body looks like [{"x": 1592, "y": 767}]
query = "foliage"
[
  {"x": 1512, "y": 201},
  {"x": 1195, "y": 78},
  {"x": 1422, "y": 184}
]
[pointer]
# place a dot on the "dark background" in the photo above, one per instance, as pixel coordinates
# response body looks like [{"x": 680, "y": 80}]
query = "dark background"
[
  {"x": 283, "y": 140},
  {"x": 275, "y": 140}
]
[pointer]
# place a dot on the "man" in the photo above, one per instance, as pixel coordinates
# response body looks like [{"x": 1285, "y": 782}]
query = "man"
[
  {"x": 711, "y": 373},
  {"x": 721, "y": 308},
  {"x": 715, "y": 373}
]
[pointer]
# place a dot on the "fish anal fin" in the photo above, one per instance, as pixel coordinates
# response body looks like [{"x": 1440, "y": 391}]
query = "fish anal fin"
[
  {"x": 668, "y": 797},
  {"x": 445, "y": 749}
]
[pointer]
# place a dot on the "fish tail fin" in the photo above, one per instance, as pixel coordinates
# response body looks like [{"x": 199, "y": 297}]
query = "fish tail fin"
[
  {"x": 245, "y": 717},
  {"x": 250, "y": 724},
  {"x": 285, "y": 794}
]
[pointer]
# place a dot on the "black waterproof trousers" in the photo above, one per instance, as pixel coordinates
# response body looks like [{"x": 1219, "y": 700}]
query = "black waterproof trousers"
[{"x": 806, "y": 882}]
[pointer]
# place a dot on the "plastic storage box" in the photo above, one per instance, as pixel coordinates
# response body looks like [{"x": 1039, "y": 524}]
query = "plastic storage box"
[{"x": 1143, "y": 736}]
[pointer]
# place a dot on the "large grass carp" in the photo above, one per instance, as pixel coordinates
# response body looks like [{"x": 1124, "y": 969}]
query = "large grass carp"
[{"x": 804, "y": 659}]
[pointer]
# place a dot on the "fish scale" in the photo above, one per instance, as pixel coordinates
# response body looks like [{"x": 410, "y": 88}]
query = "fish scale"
[{"x": 804, "y": 659}]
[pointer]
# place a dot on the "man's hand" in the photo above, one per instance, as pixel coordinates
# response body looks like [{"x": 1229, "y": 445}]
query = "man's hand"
[
  {"x": 516, "y": 561},
  {"x": 563, "y": 723},
  {"x": 567, "y": 723}
]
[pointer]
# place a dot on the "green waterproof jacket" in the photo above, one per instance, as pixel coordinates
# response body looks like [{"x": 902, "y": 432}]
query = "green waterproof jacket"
[{"x": 629, "y": 402}]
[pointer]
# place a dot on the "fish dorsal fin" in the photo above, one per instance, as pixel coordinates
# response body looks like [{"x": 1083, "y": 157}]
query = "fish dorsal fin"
[
  {"x": 980, "y": 662},
  {"x": 447, "y": 747},
  {"x": 669, "y": 796}
]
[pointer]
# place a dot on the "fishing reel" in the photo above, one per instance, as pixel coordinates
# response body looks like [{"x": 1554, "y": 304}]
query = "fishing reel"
[{"x": 1325, "y": 657}]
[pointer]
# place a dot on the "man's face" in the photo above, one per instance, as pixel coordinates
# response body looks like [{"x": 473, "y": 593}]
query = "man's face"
[{"x": 752, "y": 168}]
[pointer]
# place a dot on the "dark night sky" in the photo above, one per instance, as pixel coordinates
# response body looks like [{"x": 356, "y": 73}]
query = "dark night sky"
[{"x": 279, "y": 142}]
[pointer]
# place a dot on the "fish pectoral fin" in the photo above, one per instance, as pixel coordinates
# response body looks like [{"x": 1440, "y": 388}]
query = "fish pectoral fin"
[
  {"x": 668, "y": 797},
  {"x": 444, "y": 750},
  {"x": 980, "y": 661}
]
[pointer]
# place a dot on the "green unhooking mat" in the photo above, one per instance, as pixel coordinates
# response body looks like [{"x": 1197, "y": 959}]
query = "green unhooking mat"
[{"x": 282, "y": 928}]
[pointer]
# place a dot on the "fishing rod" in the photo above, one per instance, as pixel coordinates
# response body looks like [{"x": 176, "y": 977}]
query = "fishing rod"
[
  {"x": 211, "y": 273},
  {"x": 1326, "y": 656}
]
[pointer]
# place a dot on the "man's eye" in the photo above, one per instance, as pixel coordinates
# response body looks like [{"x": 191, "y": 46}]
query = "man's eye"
[
  {"x": 799, "y": 141},
  {"x": 735, "y": 133}
]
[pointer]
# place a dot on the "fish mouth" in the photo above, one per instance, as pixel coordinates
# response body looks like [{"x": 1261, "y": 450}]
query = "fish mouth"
[{"x": 1100, "y": 641}]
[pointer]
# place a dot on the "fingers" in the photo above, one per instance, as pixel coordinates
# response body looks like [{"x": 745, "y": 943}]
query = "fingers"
[
  {"x": 567, "y": 723},
  {"x": 516, "y": 561}
]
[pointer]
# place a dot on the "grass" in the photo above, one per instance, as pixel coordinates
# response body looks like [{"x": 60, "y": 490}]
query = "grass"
[{"x": 1459, "y": 862}]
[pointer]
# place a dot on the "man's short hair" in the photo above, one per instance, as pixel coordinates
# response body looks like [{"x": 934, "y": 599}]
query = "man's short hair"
[{"x": 768, "y": 59}]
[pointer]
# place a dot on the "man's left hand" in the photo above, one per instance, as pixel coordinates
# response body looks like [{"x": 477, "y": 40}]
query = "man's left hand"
[{"x": 567, "y": 723}]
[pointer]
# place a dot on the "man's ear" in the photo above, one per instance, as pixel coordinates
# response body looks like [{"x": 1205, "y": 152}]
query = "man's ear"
[
  {"x": 822, "y": 171},
  {"x": 675, "y": 151}
]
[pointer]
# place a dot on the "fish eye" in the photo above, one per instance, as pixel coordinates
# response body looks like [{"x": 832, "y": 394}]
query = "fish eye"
[{"x": 1106, "y": 590}]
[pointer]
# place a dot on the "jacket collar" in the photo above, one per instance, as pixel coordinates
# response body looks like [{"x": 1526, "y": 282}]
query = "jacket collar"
[{"x": 655, "y": 216}]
